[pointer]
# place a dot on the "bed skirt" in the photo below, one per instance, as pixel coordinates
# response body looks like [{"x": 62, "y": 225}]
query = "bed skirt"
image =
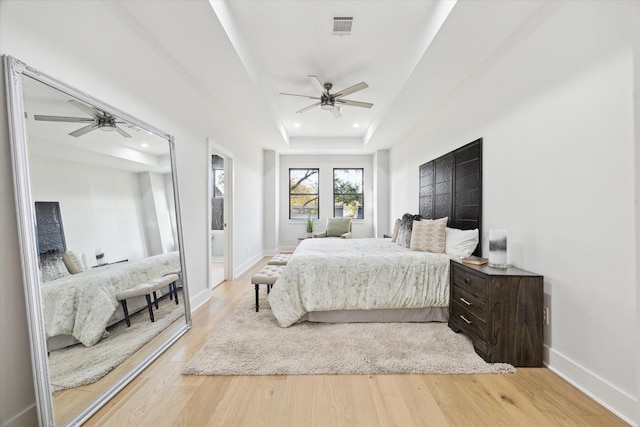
[{"x": 426, "y": 314}]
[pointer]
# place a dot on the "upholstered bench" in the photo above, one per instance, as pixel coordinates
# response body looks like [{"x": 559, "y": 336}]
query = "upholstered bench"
[
  {"x": 280, "y": 259},
  {"x": 147, "y": 289},
  {"x": 266, "y": 276}
]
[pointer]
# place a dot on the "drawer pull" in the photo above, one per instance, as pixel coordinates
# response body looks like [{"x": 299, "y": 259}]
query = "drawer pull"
[
  {"x": 467, "y": 321},
  {"x": 465, "y": 301},
  {"x": 467, "y": 281}
]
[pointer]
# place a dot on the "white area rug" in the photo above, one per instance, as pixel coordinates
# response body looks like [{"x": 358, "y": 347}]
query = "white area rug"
[
  {"x": 251, "y": 343},
  {"x": 79, "y": 365}
]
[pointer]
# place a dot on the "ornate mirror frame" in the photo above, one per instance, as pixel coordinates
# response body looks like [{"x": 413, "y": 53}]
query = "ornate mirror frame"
[{"x": 14, "y": 72}]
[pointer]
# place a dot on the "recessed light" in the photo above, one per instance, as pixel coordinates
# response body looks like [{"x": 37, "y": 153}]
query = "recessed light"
[
  {"x": 144, "y": 145},
  {"x": 356, "y": 125},
  {"x": 296, "y": 125}
]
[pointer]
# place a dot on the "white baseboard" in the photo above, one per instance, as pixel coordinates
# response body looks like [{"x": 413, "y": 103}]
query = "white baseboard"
[
  {"x": 200, "y": 298},
  {"x": 247, "y": 265},
  {"x": 26, "y": 417},
  {"x": 270, "y": 252},
  {"x": 617, "y": 401}
]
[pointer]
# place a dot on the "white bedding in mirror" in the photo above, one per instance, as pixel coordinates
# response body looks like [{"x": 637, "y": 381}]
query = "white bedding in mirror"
[{"x": 82, "y": 305}]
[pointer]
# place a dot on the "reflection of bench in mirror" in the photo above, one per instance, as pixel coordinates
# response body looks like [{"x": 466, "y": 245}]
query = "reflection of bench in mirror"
[{"x": 147, "y": 289}]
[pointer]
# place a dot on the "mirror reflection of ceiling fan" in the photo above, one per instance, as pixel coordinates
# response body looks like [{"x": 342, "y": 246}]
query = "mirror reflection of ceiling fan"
[
  {"x": 99, "y": 120},
  {"x": 332, "y": 101}
]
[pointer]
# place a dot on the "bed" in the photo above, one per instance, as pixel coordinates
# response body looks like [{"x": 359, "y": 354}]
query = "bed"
[
  {"x": 78, "y": 308},
  {"x": 345, "y": 280},
  {"x": 389, "y": 280}
]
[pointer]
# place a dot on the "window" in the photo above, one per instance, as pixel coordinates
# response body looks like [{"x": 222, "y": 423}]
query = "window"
[
  {"x": 348, "y": 198},
  {"x": 303, "y": 193}
]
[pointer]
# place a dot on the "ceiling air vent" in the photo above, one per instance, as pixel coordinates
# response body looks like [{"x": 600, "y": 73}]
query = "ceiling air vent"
[{"x": 342, "y": 25}]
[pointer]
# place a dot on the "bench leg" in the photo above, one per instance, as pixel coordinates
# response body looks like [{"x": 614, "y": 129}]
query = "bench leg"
[
  {"x": 150, "y": 307},
  {"x": 155, "y": 299},
  {"x": 257, "y": 305},
  {"x": 126, "y": 312},
  {"x": 174, "y": 286}
]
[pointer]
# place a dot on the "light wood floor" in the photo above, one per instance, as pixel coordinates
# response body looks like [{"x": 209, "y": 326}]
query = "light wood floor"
[{"x": 162, "y": 396}]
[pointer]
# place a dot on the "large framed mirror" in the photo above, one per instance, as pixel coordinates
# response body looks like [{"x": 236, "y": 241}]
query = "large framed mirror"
[{"x": 101, "y": 242}]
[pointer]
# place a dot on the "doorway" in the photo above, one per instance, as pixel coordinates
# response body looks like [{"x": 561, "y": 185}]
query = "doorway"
[
  {"x": 220, "y": 216},
  {"x": 217, "y": 220}
]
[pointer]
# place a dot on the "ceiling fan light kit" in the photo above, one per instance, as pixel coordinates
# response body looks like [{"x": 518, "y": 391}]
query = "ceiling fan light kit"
[
  {"x": 328, "y": 100},
  {"x": 326, "y": 104}
]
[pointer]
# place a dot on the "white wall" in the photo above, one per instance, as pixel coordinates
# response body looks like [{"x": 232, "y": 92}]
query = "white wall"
[
  {"x": 381, "y": 192},
  {"x": 99, "y": 207},
  {"x": 157, "y": 219},
  {"x": 17, "y": 398},
  {"x": 290, "y": 230},
  {"x": 271, "y": 191},
  {"x": 556, "y": 113},
  {"x": 636, "y": 85},
  {"x": 131, "y": 72},
  {"x": 248, "y": 227}
]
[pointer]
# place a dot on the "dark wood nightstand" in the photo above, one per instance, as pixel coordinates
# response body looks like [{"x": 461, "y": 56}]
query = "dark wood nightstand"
[{"x": 500, "y": 310}]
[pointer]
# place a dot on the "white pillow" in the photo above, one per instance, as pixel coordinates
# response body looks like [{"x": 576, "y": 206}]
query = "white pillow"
[
  {"x": 73, "y": 262},
  {"x": 396, "y": 228},
  {"x": 461, "y": 243}
]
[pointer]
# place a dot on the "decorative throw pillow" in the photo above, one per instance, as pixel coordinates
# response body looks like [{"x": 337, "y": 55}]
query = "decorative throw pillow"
[
  {"x": 461, "y": 243},
  {"x": 73, "y": 262},
  {"x": 396, "y": 227},
  {"x": 429, "y": 235},
  {"x": 404, "y": 231}
]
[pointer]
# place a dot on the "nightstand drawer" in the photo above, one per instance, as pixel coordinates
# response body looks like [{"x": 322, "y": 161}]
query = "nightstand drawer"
[
  {"x": 472, "y": 283},
  {"x": 468, "y": 322},
  {"x": 470, "y": 302}
]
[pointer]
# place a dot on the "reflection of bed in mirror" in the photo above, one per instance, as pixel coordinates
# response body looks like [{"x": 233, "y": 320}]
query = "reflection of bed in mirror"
[{"x": 79, "y": 307}]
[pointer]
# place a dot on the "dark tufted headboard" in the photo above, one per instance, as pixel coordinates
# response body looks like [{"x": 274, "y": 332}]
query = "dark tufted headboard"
[{"x": 451, "y": 186}]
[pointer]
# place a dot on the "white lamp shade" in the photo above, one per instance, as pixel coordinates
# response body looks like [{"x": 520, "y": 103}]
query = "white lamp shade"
[{"x": 498, "y": 248}]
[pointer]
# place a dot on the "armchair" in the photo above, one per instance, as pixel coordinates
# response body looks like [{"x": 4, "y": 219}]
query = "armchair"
[{"x": 336, "y": 227}]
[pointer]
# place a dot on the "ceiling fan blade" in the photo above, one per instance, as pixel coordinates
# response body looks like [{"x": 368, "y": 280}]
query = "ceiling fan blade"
[
  {"x": 122, "y": 132},
  {"x": 308, "y": 108},
  {"x": 303, "y": 96},
  {"x": 62, "y": 119},
  {"x": 350, "y": 90},
  {"x": 92, "y": 111},
  {"x": 85, "y": 130},
  {"x": 354, "y": 103},
  {"x": 315, "y": 81},
  {"x": 336, "y": 112}
]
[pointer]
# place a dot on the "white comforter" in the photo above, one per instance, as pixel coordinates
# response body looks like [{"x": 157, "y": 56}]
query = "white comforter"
[
  {"x": 364, "y": 274},
  {"x": 82, "y": 304}
]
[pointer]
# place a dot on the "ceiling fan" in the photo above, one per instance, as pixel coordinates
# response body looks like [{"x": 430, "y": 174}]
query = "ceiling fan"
[
  {"x": 332, "y": 101},
  {"x": 99, "y": 120}
]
